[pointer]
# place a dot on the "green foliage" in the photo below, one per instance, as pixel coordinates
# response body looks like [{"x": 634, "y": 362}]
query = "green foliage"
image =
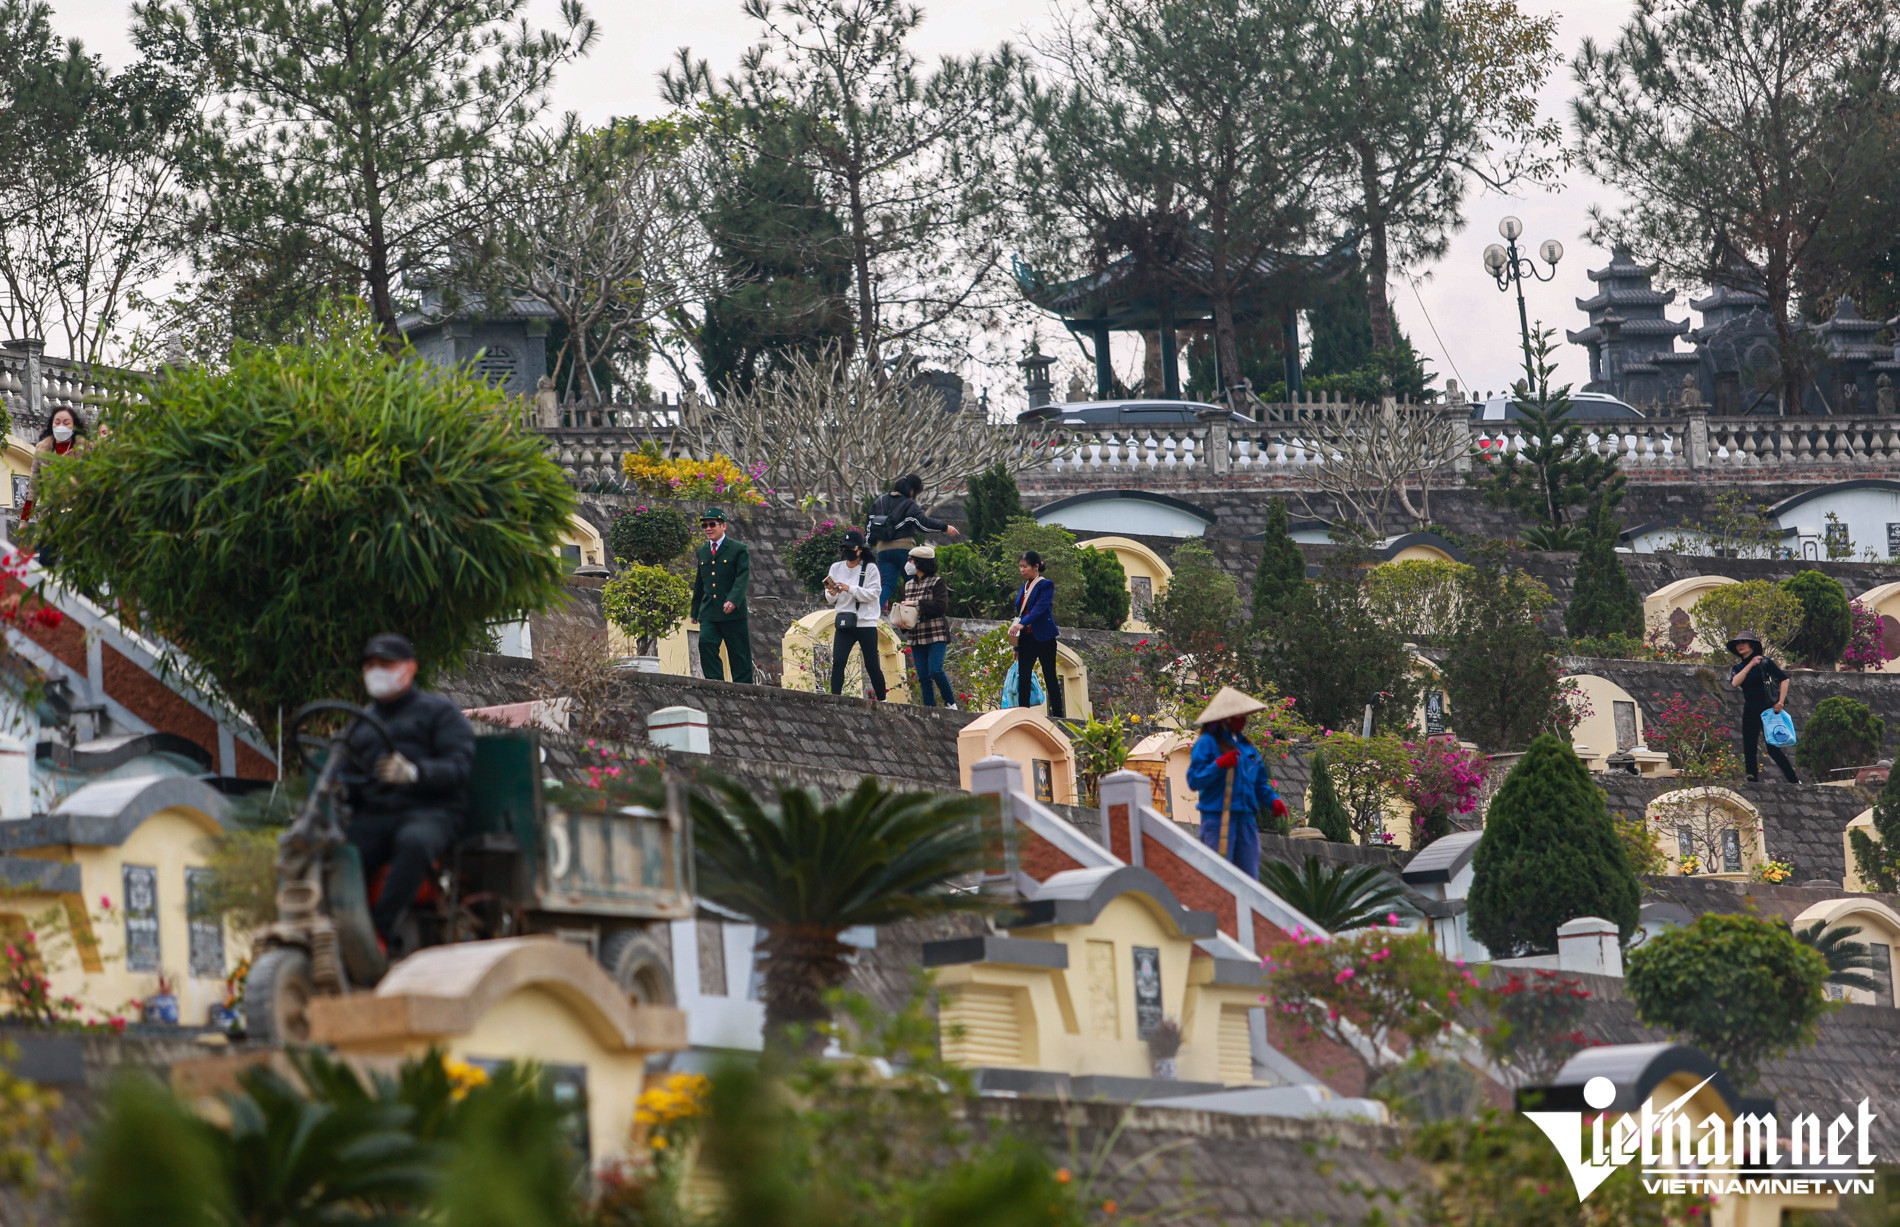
[
  {"x": 1549, "y": 855},
  {"x": 1101, "y": 748},
  {"x": 32, "y": 1152},
  {"x": 1199, "y": 612},
  {"x": 269, "y": 518},
  {"x": 1604, "y": 602},
  {"x": 317, "y": 133},
  {"x": 242, "y": 882},
  {"x": 1419, "y": 598},
  {"x": 1735, "y": 528},
  {"x": 1501, "y": 674},
  {"x": 647, "y": 603},
  {"x": 1335, "y": 897},
  {"x": 1325, "y": 813},
  {"x": 1848, "y": 961},
  {"x": 1754, "y": 604},
  {"x": 1062, "y": 563},
  {"x": 1282, "y": 569},
  {"x": 1364, "y": 771},
  {"x": 650, "y": 536},
  {"x": 978, "y": 666},
  {"x": 979, "y": 587},
  {"x": 1826, "y": 622},
  {"x": 1105, "y": 595},
  {"x": 1538, "y": 1024},
  {"x": 1842, "y": 732},
  {"x": 1877, "y": 859},
  {"x": 1497, "y": 1170},
  {"x": 787, "y": 277},
  {"x": 990, "y": 502},
  {"x": 810, "y": 557},
  {"x": 805, "y": 871},
  {"x": 1639, "y": 846},
  {"x": 1556, "y": 470},
  {"x": 1327, "y": 650},
  {"x": 1739, "y": 987}
]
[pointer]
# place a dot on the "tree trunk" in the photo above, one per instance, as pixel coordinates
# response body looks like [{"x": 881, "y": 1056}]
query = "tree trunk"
[
  {"x": 1226, "y": 346},
  {"x": 861, "y": 265},
  {"x": 1378, "y": 259},
  {"x": 802, "y": 964}
]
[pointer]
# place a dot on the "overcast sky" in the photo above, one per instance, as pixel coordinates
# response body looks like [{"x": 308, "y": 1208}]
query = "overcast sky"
[{"x": 1456, "y": 317}]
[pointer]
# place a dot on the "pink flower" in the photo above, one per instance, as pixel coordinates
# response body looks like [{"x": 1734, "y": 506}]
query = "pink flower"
[{"x": 1343, "y": 976}]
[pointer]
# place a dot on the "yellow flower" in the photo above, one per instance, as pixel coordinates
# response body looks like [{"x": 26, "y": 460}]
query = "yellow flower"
[
  {"x": 463, "y": 1077},
  {"x": 657, "y": 1142}
]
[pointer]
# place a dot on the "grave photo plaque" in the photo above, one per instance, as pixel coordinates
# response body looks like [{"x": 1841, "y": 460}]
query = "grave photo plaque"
[
  {"x": 141, "y": 918},
  {"x": 1434, "y": 713},
  {"x": 1148, "y": 1013}
]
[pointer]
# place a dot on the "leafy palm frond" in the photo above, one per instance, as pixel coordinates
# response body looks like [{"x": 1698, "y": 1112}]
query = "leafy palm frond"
[
  {"x": 1336, "y": 897},
  {"x": 871, "y": 858},
  {"x": 1847, "y": 960}
]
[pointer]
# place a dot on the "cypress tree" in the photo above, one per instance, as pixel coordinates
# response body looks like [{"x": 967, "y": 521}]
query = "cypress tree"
[
  {"x": 1324, "y": 812},
  {"x": 1878, "y": 861},
  {"x": 1282, "y": 567},
  {"x": 1605, "y": 602},
  {"x": 990, "y": 502},
  {"x": 1549, "y": 855}
]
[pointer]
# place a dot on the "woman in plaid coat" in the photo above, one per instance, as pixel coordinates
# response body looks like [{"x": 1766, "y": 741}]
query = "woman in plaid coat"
[{"x": 930, "y": 638}]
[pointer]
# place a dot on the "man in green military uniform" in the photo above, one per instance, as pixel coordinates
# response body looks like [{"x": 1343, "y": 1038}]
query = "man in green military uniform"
[{"x": 720, "y": 580}]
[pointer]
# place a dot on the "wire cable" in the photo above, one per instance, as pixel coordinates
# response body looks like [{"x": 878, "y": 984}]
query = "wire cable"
[{"x": 1443, "y": 348}]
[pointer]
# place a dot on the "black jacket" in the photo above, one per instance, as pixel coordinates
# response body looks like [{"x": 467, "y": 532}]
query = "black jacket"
[
  {"x": 429, "y": 731},
  {"x": 903, "y": 520},
  {"x": 1763, "y": 684}
]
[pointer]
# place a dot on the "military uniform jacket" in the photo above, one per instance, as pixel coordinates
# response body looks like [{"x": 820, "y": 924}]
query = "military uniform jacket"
[{"x": 717, "y": 580}]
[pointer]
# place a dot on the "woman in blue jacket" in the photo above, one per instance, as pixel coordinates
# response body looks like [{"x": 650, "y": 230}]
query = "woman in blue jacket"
[
  {"x": 1232, "y": 781},
  {"x": 1034, "y": 632}
]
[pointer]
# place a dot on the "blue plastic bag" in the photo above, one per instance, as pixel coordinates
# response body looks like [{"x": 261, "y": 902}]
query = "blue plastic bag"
[
  {"x": 1777, "y": 728},
  {"x": 1009, "y": 689}
]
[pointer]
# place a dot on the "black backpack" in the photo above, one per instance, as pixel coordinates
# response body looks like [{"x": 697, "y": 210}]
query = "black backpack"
[{"x": 882, "y": 524}]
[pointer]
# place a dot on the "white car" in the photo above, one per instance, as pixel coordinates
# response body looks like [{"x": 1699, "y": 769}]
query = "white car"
[{"x": 1584, "y": 407}]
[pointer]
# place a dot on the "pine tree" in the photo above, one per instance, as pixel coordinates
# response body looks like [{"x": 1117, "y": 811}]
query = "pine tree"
[
  {"x": 1501, "y": 675},
  {"x": 1324, "y": 812},
  {"x": 1878, "y": 861},
  {"x": 1105, "y": 597},
  {"x": 1282, "y": 567},
  {"x": 1605, "y": 602},
  {"x": 990, "y": 502},
  {"x": 1555, "y": 468},
  {"x": 1549, "y": 855}
]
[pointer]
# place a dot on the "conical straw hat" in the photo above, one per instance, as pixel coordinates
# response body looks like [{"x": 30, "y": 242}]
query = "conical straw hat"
[{"x": 1228, "y": 704}]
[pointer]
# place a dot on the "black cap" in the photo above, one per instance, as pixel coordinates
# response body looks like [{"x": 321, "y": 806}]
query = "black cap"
[
  {"x": 388, "y": 646},
  {"x": 854, "y": 538}
]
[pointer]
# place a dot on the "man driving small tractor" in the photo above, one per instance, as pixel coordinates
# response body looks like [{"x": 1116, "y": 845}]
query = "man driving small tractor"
[{"x": 409, "y": 802}]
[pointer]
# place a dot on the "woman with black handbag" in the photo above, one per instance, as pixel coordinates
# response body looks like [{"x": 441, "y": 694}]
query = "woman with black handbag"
[{"x": 854, "y": 587}]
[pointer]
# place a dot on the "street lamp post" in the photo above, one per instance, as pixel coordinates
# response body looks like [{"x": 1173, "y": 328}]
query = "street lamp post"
[{"x": 1508, "y": 269}]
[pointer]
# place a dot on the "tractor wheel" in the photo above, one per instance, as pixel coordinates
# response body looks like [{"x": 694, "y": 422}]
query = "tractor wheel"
[
  {"x": 277, "y": 997},
  {"x": 639, "y": 962}
]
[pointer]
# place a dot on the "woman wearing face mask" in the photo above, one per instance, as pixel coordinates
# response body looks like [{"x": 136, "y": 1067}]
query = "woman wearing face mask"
[
  {"x": 853, "y": 586},
  {"x": 62, "y": 436},
  {"x": 930, "y": 637}
]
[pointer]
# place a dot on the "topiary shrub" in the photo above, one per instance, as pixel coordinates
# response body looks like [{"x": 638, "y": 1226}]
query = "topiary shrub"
[
  {"x": 1842, "y": 732},
  {"x": 978, "y": 587},
  {"x": 990, "y": 502},
  {"x": 648, "y": 603},
  {"x": 1549, "y": 855},
  {"x": 1104, "y": 589},
  {"x": 1739, "y": 987},
  {"x": 1754, "y": 604},
  {"x": 1282, "y": 569},
  {"x": 1604, "y": 601},
  {"x": 650, "y": 536},
  {"x": 1324, "y": 811},
  {"x": 1826, "y": 621},
  {"x": 810, "y": 557}
]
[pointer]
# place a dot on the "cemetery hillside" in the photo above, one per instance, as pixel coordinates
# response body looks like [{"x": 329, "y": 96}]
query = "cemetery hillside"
[{"x": 818, "y": 632}]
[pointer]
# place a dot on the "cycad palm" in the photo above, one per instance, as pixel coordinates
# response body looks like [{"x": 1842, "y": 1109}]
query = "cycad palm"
[
  {"x": 1335, "y": 897},
  {"x": 805, "y": 871},
  {"x": 1847, "y": 960}
]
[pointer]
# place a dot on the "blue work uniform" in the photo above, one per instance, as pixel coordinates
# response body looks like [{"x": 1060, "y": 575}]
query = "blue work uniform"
[{"x": 1253, "y": 795}]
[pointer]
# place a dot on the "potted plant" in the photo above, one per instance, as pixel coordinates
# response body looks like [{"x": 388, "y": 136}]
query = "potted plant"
[
  {"x": 162, "y": 1006},
  {"x": 648, "y": 604},
  {"x": 1164, "y": 1047}
]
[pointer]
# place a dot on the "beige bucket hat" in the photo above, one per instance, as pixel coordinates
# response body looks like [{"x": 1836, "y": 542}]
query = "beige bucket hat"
[
  {"x": 924, "y": 551},
  {"x": 1228, "y": 704}
]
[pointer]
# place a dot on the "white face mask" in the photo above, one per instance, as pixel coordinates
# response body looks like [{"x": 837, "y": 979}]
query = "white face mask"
[
  {"x": 62, "y": 434},
  {"x": 384, "y": 683},
  {"x": 910, "y": 568}
]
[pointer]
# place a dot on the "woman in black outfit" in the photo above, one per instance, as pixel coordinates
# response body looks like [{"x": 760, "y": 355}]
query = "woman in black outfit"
[{"x": 1753, "y": 675}]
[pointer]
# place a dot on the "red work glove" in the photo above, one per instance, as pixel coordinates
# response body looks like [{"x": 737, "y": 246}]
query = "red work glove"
[
  {"x": 1279, "y": 808},
  {"x": 1226, "y": 761}
]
